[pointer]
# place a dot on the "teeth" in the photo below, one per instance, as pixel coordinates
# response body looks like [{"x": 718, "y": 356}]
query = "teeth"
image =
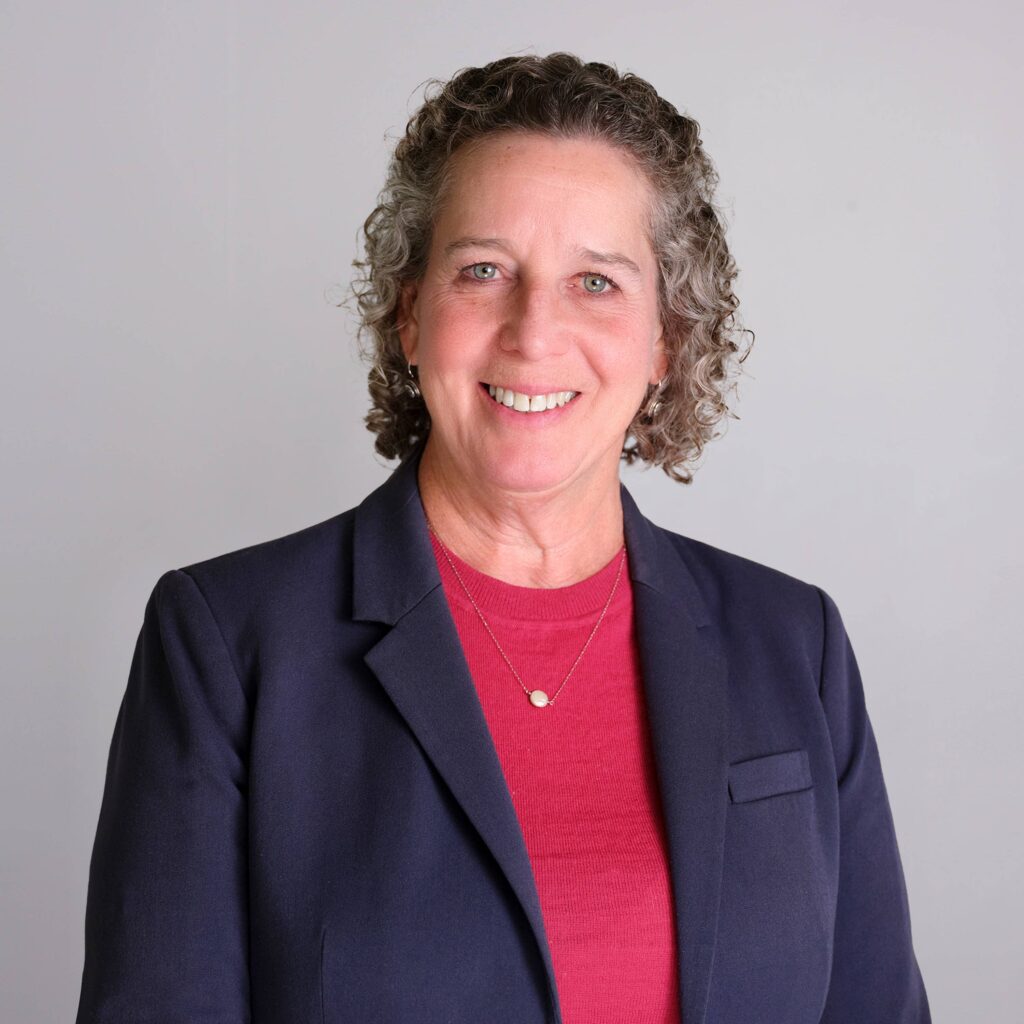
[{"x": 529, "y": 403}]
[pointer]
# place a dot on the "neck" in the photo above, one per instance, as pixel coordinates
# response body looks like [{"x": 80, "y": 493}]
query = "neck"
[{"x": 541, "y": 539}]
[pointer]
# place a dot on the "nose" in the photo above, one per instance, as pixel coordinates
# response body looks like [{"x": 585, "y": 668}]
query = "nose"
[{"x": 535, "y": 325}]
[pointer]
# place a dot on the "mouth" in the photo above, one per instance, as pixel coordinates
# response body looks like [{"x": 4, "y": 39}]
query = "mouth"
[{"x": 519, "y": 401}]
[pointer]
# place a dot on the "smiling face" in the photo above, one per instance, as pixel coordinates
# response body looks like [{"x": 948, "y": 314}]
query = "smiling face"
[{"x": 540, "y": 282}]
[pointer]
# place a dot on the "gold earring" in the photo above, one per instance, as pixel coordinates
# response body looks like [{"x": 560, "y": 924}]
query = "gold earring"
[
  {"x": 412, "y": 387},
  {"x": 655, "y": 402}
]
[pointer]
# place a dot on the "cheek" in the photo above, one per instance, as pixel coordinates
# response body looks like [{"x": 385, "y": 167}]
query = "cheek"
[
  {"x": 454, "y": 332},
  {"x": 621, "y": 348}
]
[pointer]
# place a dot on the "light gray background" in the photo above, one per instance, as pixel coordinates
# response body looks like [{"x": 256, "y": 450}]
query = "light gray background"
[{"x": 182, "y": 186}]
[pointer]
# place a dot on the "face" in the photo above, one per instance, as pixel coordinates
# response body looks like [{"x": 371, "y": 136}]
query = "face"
[{"x": 535, "y": 327}]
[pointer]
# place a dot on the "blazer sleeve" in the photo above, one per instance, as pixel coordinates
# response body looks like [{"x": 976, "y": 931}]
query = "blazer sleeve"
[
  {"x": 875, "y": 976},
  {"x": 166, "y": 931}
]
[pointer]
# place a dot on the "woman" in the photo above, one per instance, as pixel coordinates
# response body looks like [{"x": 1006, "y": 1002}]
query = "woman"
[{"x": 492, "y": 746}]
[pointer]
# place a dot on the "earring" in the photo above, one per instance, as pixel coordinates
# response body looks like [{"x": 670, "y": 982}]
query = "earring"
[
  {"x": 655, "y": 403},
  {"x": 412, "y": 387}
]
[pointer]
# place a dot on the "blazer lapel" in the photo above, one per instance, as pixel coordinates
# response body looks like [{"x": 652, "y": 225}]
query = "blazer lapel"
[
  {"x": 684, "y": 674},
  {"x": 420, "y": 663}
]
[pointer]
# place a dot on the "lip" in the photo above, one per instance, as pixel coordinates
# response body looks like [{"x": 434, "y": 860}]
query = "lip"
[{"x": 524, "y": 420}]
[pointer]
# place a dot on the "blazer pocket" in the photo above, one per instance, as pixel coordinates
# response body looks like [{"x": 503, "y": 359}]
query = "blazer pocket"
[{"x": 772, "y": 775}]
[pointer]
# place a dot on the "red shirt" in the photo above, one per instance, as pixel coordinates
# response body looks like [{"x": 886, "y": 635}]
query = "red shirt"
[{"x": 583, "y": 784}]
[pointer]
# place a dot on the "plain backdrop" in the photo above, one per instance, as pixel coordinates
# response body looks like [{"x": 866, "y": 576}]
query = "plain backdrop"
[{"x": 182, "y": 188}]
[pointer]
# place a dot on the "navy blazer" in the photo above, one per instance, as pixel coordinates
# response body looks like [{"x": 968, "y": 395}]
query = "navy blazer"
[{"x": 305, "y": 818}]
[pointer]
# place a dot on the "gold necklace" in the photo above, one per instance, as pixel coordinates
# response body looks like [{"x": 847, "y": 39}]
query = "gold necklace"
[{"x": 538, "y": 698}]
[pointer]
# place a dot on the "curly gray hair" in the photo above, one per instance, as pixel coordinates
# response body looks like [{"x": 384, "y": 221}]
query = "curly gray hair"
[{"x": 560, "y": 96}]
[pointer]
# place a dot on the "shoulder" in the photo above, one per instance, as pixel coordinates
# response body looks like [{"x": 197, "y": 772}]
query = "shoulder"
[
  {"x": 277, "y": 576},
  {"x": 741, "y": 594},
  {"x": 719, "y": 571}
]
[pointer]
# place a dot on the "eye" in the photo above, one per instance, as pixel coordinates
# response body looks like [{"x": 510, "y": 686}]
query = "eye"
[
  {"x": 482, "y": 271},
  {"x": 597, "y": 284}
]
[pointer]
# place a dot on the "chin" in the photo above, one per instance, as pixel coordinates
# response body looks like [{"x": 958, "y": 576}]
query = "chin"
[{"x": 525, "y": 472}]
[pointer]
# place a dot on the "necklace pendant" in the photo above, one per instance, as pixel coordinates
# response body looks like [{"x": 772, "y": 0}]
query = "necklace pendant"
[{"x": 538, "y": 698}]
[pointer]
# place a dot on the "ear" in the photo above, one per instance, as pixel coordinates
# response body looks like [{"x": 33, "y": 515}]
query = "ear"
[{"x": 408, "y": 324}]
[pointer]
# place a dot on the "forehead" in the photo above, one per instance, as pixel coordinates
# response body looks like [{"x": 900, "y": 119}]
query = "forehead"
[{"x": 555, "y": 186}]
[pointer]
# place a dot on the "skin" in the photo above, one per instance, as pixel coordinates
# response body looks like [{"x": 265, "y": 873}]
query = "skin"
[{"x": 534, "y": 303}]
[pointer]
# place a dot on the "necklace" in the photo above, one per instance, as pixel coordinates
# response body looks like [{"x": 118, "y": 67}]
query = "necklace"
[{"x": 538, "y": 698}]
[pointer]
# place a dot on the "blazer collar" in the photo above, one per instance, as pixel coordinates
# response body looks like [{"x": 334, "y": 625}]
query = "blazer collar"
[
  {"x": 395, "y": 566},
  {"x": 420, "y": 664}
]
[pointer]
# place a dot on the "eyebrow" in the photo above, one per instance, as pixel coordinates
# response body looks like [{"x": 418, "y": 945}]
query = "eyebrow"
[
  {"x": 469, "y": 242},
  {"x": 605, "y": 259},
  {"x": 610, "y": 259}
]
